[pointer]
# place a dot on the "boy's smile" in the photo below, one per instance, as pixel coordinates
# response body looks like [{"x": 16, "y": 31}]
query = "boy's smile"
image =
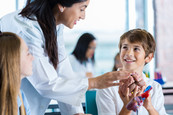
[{"x": 132, "y": 56}]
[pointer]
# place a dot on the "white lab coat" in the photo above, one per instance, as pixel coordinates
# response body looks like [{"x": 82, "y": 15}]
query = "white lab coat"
[
  {"x": 46, "y": 83},
  {"x": 110, "y": 103},
  {"x": 81, "y": 69}
]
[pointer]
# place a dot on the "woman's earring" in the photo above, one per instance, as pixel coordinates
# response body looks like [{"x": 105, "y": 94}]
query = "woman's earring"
[{"x": 61, "y": 9}]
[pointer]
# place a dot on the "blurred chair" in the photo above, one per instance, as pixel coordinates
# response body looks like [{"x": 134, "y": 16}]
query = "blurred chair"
[
  {"x": 53, "y": 109},
  {"x": 90, "y": 102}
]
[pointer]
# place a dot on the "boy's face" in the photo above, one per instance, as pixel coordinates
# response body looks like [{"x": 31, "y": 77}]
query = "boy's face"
[{"x": 132, "y": 56}]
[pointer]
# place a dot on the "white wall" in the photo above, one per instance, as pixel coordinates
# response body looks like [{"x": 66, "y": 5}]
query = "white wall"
[{"x": 7, "y": 6}]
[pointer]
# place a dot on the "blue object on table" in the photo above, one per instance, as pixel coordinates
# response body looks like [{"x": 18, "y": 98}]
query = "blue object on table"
[
  {"x": 90, "y": 102},
  {"x": 160, "y": 81}
]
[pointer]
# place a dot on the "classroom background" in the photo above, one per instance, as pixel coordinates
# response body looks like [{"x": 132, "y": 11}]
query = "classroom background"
[{"x": 107, "y": 20}]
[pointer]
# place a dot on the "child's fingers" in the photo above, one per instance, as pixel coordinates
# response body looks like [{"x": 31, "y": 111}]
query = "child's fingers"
[
  {"x": 127, "y": 94},
  {"x": 135, "y": 91},
  {"x": 121, "y": 83},
  {"x": 123, "y": 88},
  {"x": 141, "y": 91},
  {"x": 120, "y": 93},
  {"x": 136, "y": 77},
  {"x": 148, "y": 99}
]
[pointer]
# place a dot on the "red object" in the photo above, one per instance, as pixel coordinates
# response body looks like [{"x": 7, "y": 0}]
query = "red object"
[{"x": 146, "y": 94}]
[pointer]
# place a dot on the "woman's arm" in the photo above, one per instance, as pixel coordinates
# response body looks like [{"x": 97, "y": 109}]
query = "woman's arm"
[{"x": 107, "y": 80}]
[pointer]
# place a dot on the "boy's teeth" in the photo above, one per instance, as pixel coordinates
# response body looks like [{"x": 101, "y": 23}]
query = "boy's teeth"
[{"x": 129, "y": 60}]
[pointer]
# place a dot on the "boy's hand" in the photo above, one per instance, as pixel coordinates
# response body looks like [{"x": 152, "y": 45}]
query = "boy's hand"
[
  {"x": 139, "y": 80},
  {"x": 126, "y": 98},
  {"x": 133, "y": 81},
  {"x": 147, "y": 103},
  {"x": 149, "y": 107}
]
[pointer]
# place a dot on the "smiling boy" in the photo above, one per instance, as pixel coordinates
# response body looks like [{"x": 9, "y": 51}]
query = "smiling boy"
[{"x": 137, "y": 48}]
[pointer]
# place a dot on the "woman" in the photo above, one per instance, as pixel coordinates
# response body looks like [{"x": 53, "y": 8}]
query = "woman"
[
  {"x": 15, "y": 64},
  {"x": 40, "y": 24},
  {"x": 82, "y": 58}
]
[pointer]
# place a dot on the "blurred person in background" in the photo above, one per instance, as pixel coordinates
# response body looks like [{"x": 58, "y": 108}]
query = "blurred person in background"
[
  {"x": 117, "y": 62},
  {"x": 82, "y": 58}
]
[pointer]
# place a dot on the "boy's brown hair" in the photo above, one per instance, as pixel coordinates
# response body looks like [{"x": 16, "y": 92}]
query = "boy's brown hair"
[{"x": 139, "y": 36}]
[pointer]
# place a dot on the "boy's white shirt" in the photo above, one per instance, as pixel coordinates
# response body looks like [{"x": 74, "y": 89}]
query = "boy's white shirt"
[{"x": 109, "y": 102}]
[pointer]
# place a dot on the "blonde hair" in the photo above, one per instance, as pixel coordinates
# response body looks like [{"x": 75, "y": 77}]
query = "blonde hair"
[{"x": 9, "y": 73}]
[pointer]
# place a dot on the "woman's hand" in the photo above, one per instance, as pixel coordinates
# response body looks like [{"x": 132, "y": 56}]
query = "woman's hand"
[
  {"x": 107, "y": 80},
  {"x": 89, "y": 74}
]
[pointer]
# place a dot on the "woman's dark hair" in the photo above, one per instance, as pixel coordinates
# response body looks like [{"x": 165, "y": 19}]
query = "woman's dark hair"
[
  {"x": 82, "y": 47},
  {"x": 43, "y": 10}
]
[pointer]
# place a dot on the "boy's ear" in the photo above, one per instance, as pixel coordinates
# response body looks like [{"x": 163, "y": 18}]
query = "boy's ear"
[{"x": 149, "y": 58}]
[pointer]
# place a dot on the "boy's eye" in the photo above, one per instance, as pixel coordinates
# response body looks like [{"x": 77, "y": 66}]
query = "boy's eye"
[
  {"x": 82, "y": 10},
  {"x": 124, "y": 47},
  {"x": 136, "y": 49}
]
